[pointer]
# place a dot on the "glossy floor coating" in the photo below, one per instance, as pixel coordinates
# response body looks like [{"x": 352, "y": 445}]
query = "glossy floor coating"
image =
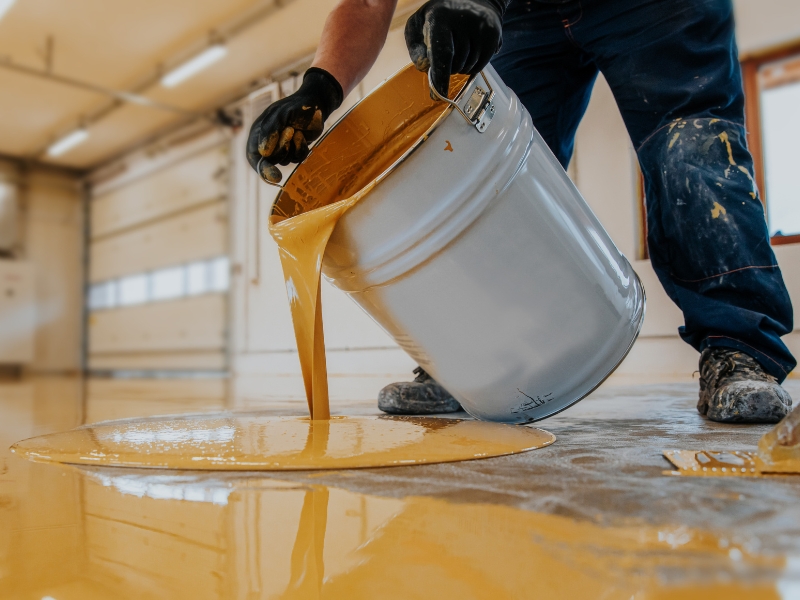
[
  {"x": 252, "y": 441},
  {"x": 591, "y": 516}
]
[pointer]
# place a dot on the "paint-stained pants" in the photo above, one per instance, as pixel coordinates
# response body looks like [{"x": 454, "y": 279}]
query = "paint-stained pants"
[{"x": 673, "y": 68}]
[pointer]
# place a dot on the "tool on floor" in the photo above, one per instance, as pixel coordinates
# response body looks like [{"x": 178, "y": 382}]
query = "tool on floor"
[{"x": 778, "y": 454}]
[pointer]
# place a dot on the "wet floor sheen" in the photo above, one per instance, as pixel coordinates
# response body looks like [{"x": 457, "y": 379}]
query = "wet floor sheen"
[
  {"x": 253, "y": 441},
  {"x": 588, "y": 517}
]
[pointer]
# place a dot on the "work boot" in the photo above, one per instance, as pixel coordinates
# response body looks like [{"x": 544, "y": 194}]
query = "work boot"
[
  {"x": 734, "y": 388},
  {"x": 423, "y": 396}
]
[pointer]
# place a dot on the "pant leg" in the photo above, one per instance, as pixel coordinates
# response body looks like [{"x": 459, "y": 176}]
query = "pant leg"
[
  {"x": 673, "y": 68},
  {"x": 551, "y": 76}
]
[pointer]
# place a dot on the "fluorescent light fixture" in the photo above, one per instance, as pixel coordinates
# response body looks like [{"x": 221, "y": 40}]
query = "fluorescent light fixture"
[
  {"x": 193, "y": 66},
  {"x": 68, "y": 142},
  {"x": 4, "y": 6}
]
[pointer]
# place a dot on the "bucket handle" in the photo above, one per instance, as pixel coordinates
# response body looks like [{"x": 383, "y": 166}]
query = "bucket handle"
[
  {"x": 478, "y": 112},
  {"x": 479, "y": 109}
]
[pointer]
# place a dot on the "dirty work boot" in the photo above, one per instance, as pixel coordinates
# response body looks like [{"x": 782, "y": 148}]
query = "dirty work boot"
[
  {"x": 423, "y": 396},
  {"x": 735, "y": 389}
]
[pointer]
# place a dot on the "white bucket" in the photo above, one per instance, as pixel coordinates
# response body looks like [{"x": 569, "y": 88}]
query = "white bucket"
[{"x": 478, "y": 255}]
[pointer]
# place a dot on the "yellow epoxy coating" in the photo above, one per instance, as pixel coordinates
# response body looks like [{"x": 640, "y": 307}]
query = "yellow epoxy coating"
[
  {"x": 84, "y": 533},
  {"x": 253, "y": 441},
  {"x": 352, "y": 159},
  {"x": 183, "y": 536}
]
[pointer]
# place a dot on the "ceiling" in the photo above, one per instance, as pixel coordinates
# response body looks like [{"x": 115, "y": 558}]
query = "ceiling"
[{"x": 124, "y": 45}]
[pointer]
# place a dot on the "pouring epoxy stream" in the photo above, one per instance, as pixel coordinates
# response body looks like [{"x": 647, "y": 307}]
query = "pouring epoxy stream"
[{"x": 672, "y": 66}]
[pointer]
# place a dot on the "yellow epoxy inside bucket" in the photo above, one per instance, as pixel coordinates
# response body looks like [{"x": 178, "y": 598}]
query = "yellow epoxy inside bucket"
[{"x": 350, "y": 161}]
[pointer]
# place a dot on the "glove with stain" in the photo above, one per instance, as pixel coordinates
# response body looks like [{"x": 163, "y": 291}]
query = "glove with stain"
[
  {"x": 454, "y": 36},
  {"x": 282, "y": 132}
]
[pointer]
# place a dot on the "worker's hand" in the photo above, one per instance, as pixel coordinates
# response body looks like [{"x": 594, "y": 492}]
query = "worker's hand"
[
  {"x": 282, "y": 132},
  {"x": 454, "y": 36}
]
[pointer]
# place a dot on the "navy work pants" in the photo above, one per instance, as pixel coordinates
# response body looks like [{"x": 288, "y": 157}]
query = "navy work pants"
[{"x": 673, "y": 68}]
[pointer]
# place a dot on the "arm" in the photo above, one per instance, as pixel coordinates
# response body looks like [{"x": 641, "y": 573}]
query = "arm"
[
  {"x": 351, "y": 41},
  {"x": 353, "y": 37}
]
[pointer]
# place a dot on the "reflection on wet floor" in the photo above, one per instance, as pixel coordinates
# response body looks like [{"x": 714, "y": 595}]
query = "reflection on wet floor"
[{"x": 93, "y": 532}]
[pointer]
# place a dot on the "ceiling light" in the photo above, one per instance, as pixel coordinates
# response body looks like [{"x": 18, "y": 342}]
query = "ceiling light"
[
  {"x": 4, "y": 6},
  {"x": 68, "y": 142},
  {"x": 194, "y": 65}
]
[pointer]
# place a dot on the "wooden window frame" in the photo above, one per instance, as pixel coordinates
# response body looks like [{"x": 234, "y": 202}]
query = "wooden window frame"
[{"x": 751, "y": 64}]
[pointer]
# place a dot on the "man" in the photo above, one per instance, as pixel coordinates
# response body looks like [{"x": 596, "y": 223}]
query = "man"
[{"x": 673, "y": 68}]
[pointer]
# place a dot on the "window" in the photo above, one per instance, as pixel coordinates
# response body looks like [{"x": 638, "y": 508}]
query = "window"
[
  {"x": 197, "y": 278},
  {"x": 168, "y": 283},
  {"x": 772, "y": 90},
  {"x": 780, "y": 131},
  {"x": 200, "y": 277},
  {"x": 133, "y": 290}
]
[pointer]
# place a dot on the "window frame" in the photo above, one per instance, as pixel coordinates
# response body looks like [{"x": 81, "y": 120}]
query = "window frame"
[{"x": 751, "y": 63}]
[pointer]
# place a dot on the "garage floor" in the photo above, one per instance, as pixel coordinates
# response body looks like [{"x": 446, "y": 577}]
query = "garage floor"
[{"x": 593, "y": 516}]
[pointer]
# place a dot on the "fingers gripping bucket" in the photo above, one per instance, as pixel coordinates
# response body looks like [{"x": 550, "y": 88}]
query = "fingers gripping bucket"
[{"x": 475, "y": 251}]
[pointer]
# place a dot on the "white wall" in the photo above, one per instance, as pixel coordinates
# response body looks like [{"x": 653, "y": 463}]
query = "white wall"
[
  {"x": 605, "y": 173},
  {"x": 761, "y": 24},
  {"x": 51, "y": 238},
  {"x": 164, "y": 206}
]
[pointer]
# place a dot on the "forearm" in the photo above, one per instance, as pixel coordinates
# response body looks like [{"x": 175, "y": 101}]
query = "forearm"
[{"x": 353, "y": 36}]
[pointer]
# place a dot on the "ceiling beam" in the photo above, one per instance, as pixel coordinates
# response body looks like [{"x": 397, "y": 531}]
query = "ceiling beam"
[
  {"x": 91, "y": 87},
  {"x": 135, "y": 94}
]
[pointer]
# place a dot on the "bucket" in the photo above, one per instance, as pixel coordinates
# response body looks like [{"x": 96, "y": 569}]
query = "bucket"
[{"x": 474, "y": 251}]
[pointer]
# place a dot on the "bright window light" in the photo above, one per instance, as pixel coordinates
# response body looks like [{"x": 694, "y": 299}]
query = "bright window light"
[
  {"x": 133, "y": 290},
  {"x": 781, "y": 128},
  {"x": 219, "y": 274},
  {"x": 194, "y": 65},
  {"x": 197, "y": 278},
  {"x": 193, "y": 279},
  {"x": 167, "y": 284},
  {"x": 4, "y": 6},
  {"x": 103, "y": 295},
  {"x": 68, "y": 142}
]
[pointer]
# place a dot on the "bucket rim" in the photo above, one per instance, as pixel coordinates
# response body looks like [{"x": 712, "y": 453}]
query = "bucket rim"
[{"x": 448, "y": 110}]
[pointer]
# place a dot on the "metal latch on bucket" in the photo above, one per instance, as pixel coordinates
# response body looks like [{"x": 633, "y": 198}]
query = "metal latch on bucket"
[{"x": 479, "y": 108}]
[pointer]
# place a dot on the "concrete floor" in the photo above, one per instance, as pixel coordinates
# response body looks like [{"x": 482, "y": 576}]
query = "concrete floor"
[{"x": 591, "y": 516}]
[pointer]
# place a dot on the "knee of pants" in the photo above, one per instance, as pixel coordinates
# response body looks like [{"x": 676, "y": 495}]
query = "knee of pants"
[{"x": 704, "y": 214}]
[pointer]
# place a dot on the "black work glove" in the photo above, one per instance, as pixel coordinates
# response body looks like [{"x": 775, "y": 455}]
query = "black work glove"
[
  {"x": 282, "y": 132},
  {"x": 454, "y": 36}
]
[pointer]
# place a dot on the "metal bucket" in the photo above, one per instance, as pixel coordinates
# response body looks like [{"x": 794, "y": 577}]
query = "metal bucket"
[{"x": 475, "y": 251}]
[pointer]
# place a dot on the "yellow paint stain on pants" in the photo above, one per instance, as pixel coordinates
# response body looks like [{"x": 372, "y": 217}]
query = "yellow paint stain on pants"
[
  {"x": 718, "y": 210},
  {"x": 726, "y": 140},
  {"x": 744, "y": 170}
]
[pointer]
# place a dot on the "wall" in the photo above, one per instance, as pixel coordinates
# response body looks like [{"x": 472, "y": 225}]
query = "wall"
[
  {"x": 51, "y": 239},
  {"x": 606, "y": 174},
  {"x": 157, "y": 214}
]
